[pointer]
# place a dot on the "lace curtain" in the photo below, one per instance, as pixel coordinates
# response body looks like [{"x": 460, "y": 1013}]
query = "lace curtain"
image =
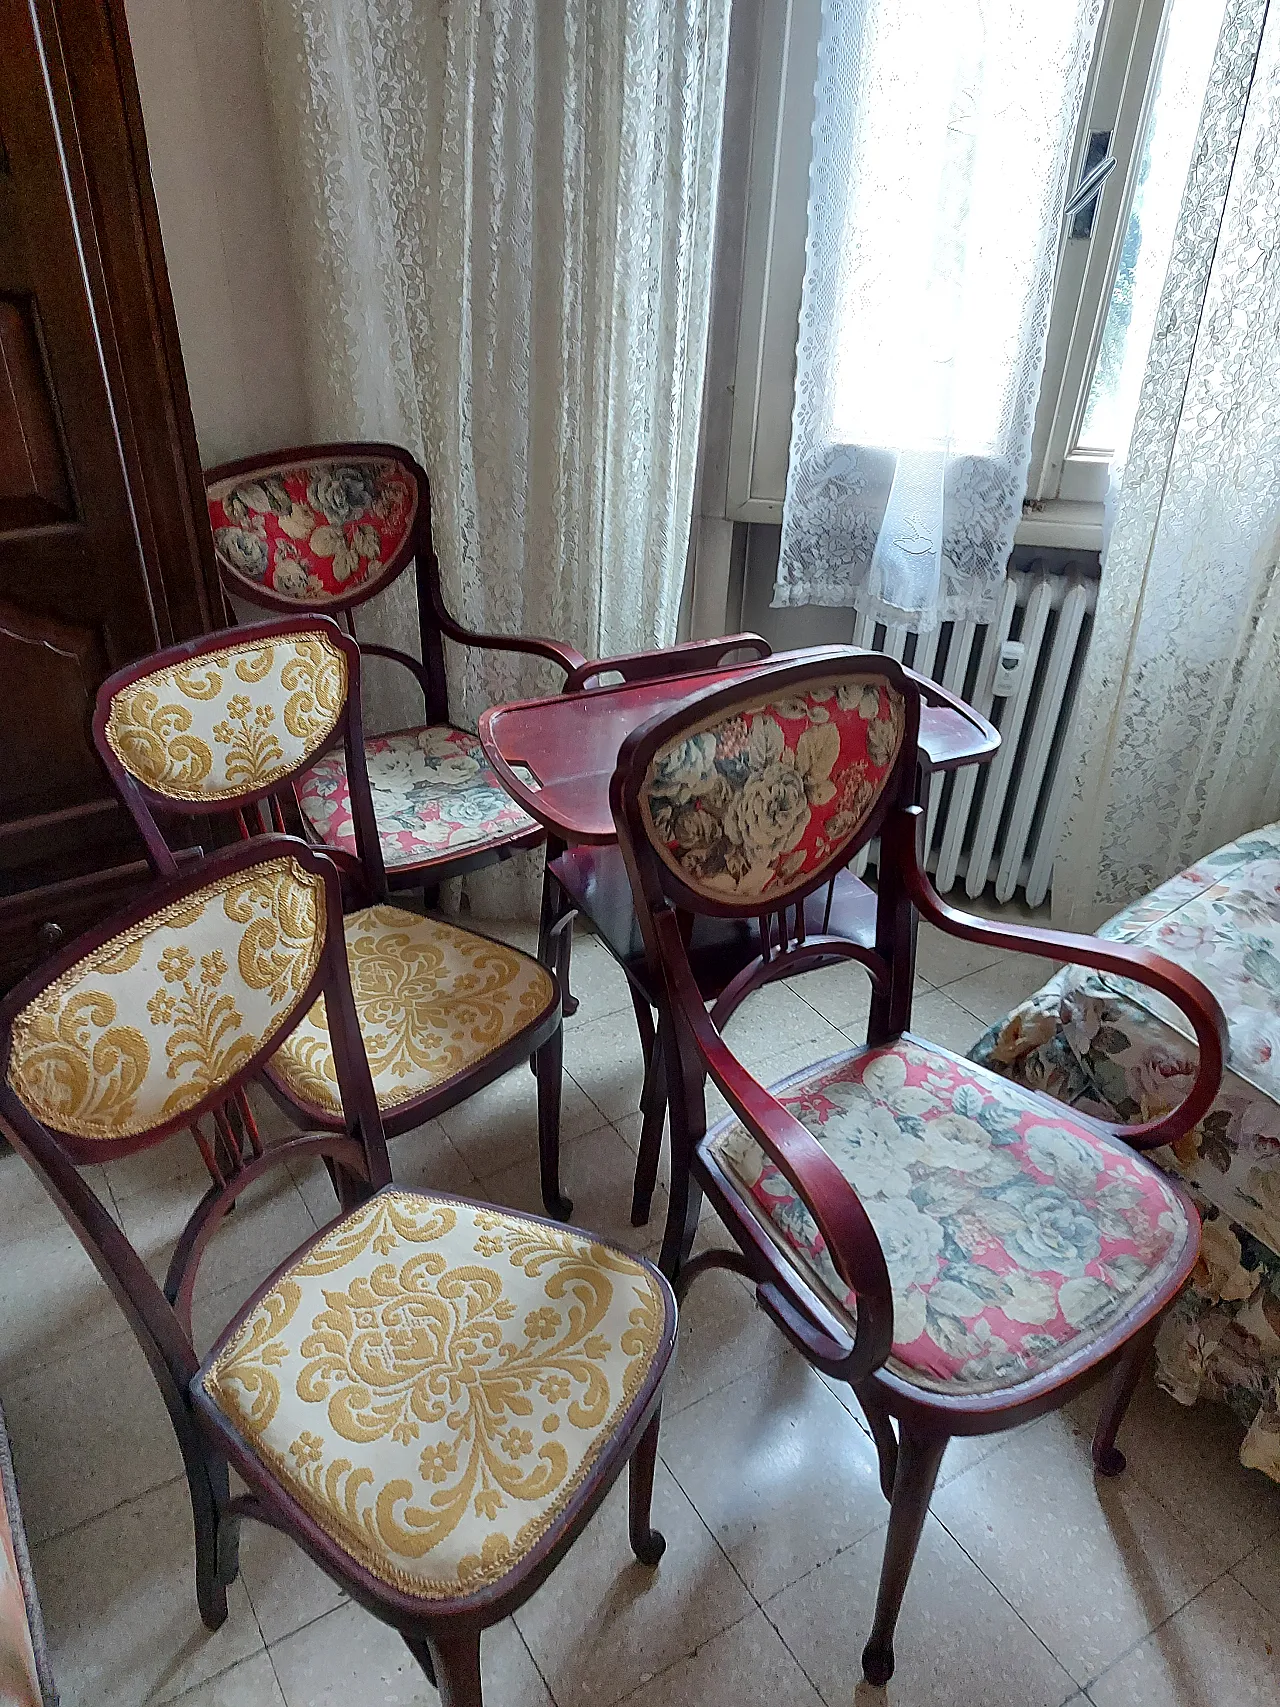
[
  {"x": 942, "y": 140},
  {"x": 501, "y": 221},
  {"x": 1177, "y": 736}
]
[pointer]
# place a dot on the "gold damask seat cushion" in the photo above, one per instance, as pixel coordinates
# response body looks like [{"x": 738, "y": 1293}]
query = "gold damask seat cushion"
[
  {"x": 432, "y": 999},
  {"x": 433, "y": 1381}
]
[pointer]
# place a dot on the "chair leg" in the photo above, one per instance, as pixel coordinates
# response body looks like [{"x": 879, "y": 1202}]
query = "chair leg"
[
  {"x": 453, "y": 1664},
  {"x": 881, "y": 1425},
  {"x": 653, "y": 1103},
  {"x": 1108, "y": 1460},
  {"x": 919, "y": 1459},
  {"x": 217, "y": 1539},
  {"x": 548, "y": 1065},
  {"x": 646, "y": 1543}
]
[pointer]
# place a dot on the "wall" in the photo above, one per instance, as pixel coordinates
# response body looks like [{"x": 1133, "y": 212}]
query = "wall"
[{"x": 204, "y": 101}]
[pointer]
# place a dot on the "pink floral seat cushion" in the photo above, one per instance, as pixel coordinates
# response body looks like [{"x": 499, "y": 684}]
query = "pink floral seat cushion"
[
  {"x": 434, "y": 797},
  {"x": 316, "y": 531},
  {"x": 1014, "y": 1237}
]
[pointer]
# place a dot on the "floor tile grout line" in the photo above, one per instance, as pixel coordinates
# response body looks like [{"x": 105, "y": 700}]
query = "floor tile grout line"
[
  {"x": 999, "y": 1593},
  {"x": 94, "y": 1517},
  {"x": 799, "y": 1663},
  {"x": 1156, "y": 1628},
  {"x": 648, "y": 1682}
]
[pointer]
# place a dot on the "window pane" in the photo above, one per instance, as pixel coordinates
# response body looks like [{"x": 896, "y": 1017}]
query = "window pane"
[{"x": 1174, "y": 117}]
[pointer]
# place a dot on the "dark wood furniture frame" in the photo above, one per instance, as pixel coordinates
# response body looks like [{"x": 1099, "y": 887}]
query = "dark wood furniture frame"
[
  {"x": 262, "y": 810},
  {"x": 446, "y": 1642},
  {"x": 105, "y": 550},
  {"x": 593, "y": 881},
  {"x": 435, "y": 625},
  {"x": 910, "y": 1458}
]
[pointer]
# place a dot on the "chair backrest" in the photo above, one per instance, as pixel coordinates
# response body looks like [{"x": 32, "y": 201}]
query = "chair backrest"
[
  {"x": 153, "y": 1022},
  {"x": 224, "y": 724},
  {"x": 326, "y": 527},
  {"x": 747, "y": 797}
]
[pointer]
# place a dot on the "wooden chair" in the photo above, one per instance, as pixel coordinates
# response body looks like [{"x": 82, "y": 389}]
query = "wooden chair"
[
  {"x": 326, "y": 528},
  {"x": 437, "y": 1501},
  {"x": 965, "y": 1253},
  {"x": 223, "y": 726}
]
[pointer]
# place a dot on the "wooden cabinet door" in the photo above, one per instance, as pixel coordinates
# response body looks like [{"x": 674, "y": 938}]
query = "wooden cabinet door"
[{"x": 104, "y": 549}]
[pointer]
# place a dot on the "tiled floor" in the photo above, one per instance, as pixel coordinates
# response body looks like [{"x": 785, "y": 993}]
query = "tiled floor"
[{"x": 1035, "y": 1584}]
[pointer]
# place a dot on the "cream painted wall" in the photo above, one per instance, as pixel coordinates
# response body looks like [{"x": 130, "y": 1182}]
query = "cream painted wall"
[{"x": 204, "y": 101}]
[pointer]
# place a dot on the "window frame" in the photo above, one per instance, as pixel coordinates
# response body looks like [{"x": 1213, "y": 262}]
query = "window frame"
[{"x": 1066, "y": 488}]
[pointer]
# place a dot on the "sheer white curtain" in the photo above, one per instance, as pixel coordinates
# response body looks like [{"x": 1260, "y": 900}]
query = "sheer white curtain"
[
  {"x": 1177, "y": 738},
  {"x": 942, "y": 140},
  {"x": 501, "y": 220}
]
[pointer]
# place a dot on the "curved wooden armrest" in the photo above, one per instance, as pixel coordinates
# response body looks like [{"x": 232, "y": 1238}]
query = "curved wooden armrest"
[
  {"x": 369, "y": 649},
  {"x": 836, "y": 1208},
  {"x": 536, "y": 644},
  {"x": 1183, "y": 989},
  {"x": 680, "y": 660}
]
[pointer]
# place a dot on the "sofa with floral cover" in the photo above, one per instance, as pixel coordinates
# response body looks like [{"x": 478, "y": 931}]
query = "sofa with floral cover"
[{"x": 1113, "y": 1049}]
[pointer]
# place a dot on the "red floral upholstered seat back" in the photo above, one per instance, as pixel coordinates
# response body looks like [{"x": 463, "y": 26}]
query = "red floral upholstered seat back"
[
  {"x": 751, "y": 805},
  {"x": 315, "y": 532}
]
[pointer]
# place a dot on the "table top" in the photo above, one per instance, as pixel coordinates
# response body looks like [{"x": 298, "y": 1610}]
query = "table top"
[{"x": 569, "y": 742}]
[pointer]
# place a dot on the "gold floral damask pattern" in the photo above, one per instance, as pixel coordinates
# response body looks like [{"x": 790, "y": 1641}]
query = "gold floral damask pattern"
[
  {"x": 432, "y": 1000},
  {"x": 750, "y": 805},
  {"x": 146, "y": 1026},
  {"x": 229, "y": 722},
  {"x": 434, "y": 1380}
]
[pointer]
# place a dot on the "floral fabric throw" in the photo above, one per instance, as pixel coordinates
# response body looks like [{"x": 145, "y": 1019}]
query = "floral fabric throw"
[
  {"x": 1113, "y": 1050},
  {"x": 752, "y": 804},
  {"x": 434, "y": 796},
  {"x": 1013, "y": 1238},
  {"x": 315, "y": 532}
]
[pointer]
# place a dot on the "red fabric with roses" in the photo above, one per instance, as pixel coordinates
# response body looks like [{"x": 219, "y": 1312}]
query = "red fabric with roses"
[
  {"x": 753, "y": 804},
  {"x": 314, "y": 532}
]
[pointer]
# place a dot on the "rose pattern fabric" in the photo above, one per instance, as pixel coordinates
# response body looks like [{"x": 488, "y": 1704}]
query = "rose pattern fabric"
[
  {"x": 434, "y": 796},
  {"x": 314, "y": 532},
  {"x": 1012, "y": 1238},
  {"x": 753, "y": 804},
  {"x": 432, "y": 1000},
  {"x": 1111, "y": 1049},
  {"x": 433, "y": 1380}
]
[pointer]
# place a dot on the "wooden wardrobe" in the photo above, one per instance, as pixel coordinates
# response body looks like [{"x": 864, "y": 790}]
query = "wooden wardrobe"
[{"x": 105, "y": 552}]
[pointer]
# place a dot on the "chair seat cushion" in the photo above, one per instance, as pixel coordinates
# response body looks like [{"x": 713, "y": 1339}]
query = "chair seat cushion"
[
  {"x": 432, "y": 1381},
  {"x": 434, "y": 797},
  {"x": 433, "y": 1001},
  {"x": 1014, "y": 1236}
]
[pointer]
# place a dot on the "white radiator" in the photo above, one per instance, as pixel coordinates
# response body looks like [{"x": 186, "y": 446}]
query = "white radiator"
[{"x": 1000, "y": 822}]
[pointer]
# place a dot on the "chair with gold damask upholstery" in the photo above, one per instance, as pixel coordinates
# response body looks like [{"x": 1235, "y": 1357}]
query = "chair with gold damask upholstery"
[
  {"x": 224, "y": 725},
  {"x": 965, "y": 1253},
  {"x": 326, "y": 528},
  {"x": 431, "y": 1396}
]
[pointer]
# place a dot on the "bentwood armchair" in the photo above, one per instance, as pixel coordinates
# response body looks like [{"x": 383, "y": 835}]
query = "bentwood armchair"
[
  {"x": 221, "y": 727},
  {"x": 326, "y": 528},
  {"x": 964, "y": 1252},
  {"x": 432, "y": 1395}
]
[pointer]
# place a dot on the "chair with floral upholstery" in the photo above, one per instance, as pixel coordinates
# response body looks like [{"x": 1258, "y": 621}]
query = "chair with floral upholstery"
[
  {"x": 1102, "y": 1045},
  {"x": 326, "y": 528},
  {"x": 963, "y": 1252},
  {"x": 223, "y": 725},
  {"x": 431, "y": 1396}
]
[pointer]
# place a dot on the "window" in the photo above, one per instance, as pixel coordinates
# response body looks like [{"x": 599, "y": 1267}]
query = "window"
[{"x": 1141, "y": 106}]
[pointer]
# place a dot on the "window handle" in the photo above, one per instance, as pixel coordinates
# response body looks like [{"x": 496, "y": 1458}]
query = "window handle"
[{"x": 1082, "y": 203}]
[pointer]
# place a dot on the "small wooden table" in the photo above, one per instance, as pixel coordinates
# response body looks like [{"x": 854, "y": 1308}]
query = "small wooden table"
[{"x": 569, "y": 742}]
